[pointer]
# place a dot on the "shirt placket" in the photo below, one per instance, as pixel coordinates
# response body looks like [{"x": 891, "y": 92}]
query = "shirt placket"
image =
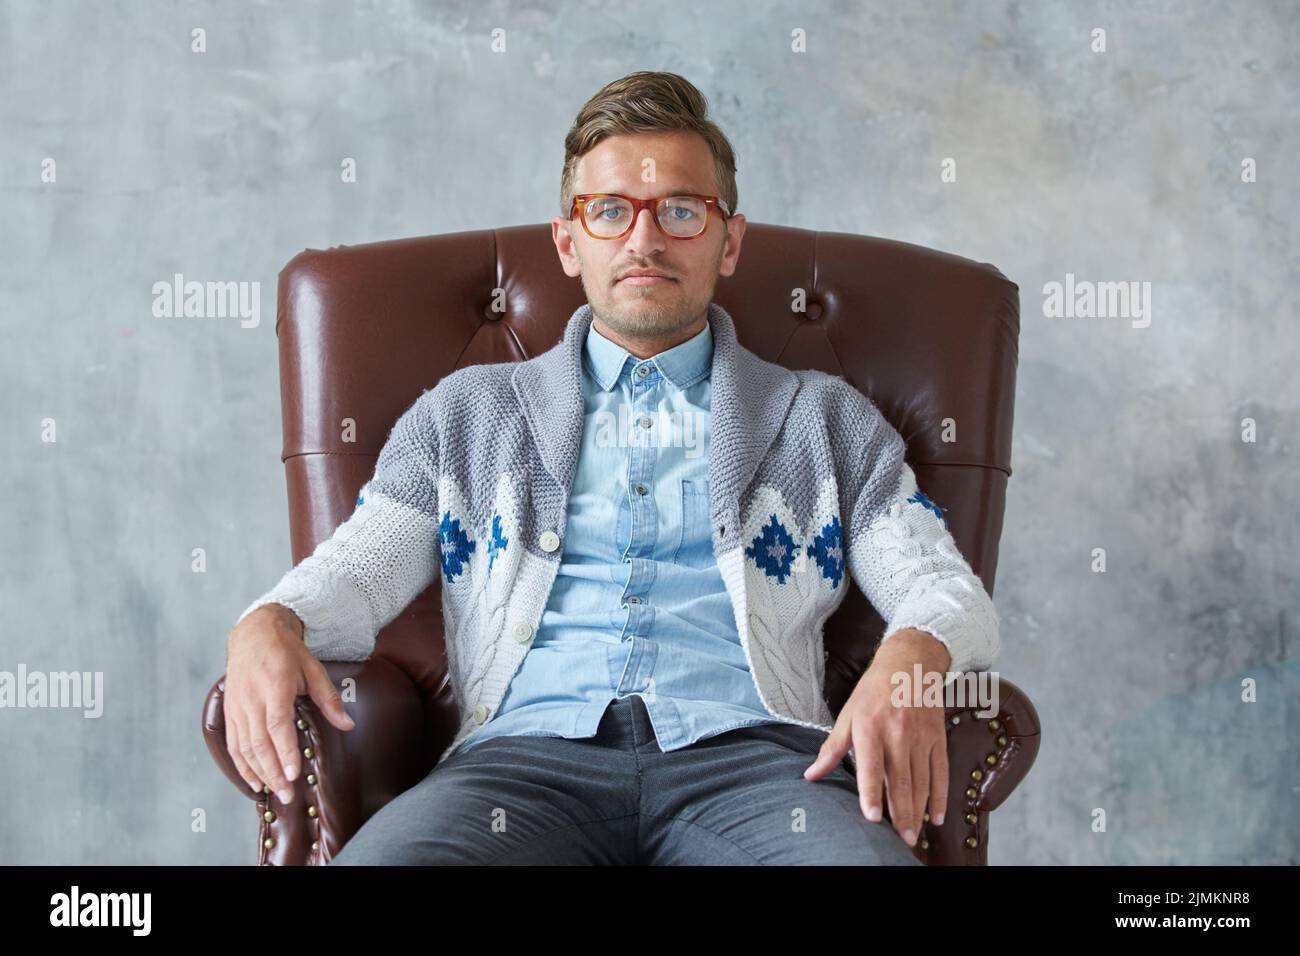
[{"x": 643, "y": 520}]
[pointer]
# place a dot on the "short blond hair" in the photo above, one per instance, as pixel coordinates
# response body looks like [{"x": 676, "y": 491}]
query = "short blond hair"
[{"x": 647, "y": 102}]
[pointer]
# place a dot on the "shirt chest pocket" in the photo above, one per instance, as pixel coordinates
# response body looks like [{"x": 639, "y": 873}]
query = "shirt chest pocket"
[{"x": 695, "y": 545}]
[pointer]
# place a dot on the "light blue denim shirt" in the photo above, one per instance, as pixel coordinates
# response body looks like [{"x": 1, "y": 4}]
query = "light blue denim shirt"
[{"x": 638, "y": 606}]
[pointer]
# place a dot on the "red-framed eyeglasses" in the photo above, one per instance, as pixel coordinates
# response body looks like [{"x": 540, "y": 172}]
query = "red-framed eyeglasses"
[{"x": 612, "y": 216}]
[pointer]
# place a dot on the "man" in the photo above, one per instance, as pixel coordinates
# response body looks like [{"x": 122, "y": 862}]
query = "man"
[{"x": 638, "y": 536}]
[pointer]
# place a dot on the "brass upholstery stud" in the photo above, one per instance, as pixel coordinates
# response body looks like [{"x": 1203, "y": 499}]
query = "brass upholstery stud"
[
  {"x": 311, "y": 778},
  {"x": 993, "y": 724},
  {"x": 311, "y": 811},
  {"x": 972, "y": 842},
  {"x": 977, "y": 775},
  {"x": 991, "y": 759},
  {"x": 1002, "y": 740},
  {"x": 268, "y": 843},
  {"x": 302, "y": 724},
  {"x": 971, "y": 793},
  {"x": 925, "y": 844},
  {"x": 955, "y": 720},
  {"x": 926, "y": 816},
  {"x": 269, "y": 816},
  {"x": 972, "y": 819},
  {"x": 308, "y": 753},
  {"x": 315, "y": 844}
]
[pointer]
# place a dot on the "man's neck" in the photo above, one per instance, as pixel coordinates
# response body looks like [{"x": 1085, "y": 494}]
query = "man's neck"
[{"x": 643, "y": 347}]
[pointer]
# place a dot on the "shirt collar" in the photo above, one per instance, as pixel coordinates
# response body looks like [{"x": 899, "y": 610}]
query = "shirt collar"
[
  {"x": 684, "y": 364},
  {"x": 749, "y": 400}
]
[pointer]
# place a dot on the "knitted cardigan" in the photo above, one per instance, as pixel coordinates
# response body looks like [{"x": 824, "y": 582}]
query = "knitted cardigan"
[{"x": 808, "y": 490}]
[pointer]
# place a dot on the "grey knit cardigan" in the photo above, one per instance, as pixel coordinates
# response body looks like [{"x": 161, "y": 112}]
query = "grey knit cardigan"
[{"x": 808, "y": 491}]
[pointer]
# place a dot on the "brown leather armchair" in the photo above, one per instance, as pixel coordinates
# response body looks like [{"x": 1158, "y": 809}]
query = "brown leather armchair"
[{"x": 363, "y": 330}]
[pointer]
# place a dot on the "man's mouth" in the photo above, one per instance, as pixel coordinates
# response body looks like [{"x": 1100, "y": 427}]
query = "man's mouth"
[{"x": 645, "y": 278}]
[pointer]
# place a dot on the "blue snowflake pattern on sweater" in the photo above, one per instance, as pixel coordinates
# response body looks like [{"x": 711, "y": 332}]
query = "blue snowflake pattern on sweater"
[
  {"x": 360, "y": 500},
  {"x": 774, "y": 550},
  {"x": 827, "y": 550},
  {"x": 497, "y": 542},
  {"x": 920, "y": 498},
  {"x": 456, "y": 546}
]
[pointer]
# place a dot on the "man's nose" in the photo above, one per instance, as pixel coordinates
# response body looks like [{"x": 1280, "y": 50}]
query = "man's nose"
[{"x": 645, "y": 236}]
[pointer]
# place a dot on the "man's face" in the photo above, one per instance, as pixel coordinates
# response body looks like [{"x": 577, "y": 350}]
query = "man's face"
[{"x": 680, "y": 162}]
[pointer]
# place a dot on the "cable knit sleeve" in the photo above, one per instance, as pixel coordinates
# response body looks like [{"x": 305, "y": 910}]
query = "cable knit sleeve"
[
  {"x": 905, "y": 560},
  {"x": 382, "y": 557}
]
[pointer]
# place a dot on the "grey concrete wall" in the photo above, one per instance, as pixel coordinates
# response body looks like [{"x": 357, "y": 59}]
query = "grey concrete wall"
[{"x": 1123, "y": 165}]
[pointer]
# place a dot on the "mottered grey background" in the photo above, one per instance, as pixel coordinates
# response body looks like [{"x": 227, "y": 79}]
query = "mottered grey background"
[{"x": 1171, "y": 443}]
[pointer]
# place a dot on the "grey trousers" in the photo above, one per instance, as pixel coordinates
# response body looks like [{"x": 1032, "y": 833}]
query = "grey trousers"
[{"x": 737, "y": 797}]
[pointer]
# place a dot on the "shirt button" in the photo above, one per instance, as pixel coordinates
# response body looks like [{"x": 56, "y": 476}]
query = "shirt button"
[
  {"x": 549, "y": 540},
  {"x": 647, "y": 422},
  {"x": 481, "y": 714},
  {"x": 641, "y": 489},
  {"x": 642, "y": 371},
  {"x": 523, "y": 631},
  {"x": 634, "y": 600}
]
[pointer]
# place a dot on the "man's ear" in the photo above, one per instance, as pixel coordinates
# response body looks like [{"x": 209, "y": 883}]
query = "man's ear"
[
  {"x": 731, "y": 246},
  {"x": 565, "y": 246}
]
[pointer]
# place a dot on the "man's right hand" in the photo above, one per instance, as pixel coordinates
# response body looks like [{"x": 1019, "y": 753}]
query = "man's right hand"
[{"x": 267, "y": 667}]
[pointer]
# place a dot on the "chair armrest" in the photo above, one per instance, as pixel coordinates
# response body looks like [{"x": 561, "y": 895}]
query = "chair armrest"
[
  {"x": 987, "y": 759},
  {"x": 348, "y": 774}
]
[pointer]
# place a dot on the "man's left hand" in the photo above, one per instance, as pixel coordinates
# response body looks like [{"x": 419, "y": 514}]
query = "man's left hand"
[{"x": 903, "y": 747}]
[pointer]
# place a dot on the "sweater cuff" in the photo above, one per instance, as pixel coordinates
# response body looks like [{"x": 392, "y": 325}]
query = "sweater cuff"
[
  {"x": 337, "y": 624},
  {"x": 959, "y": 613}
]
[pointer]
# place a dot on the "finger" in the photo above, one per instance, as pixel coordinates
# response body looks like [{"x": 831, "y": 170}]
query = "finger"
[
  {"x": 920, "y": 757},
  {"x": 832, "y": 751},
  {"x": 869, "y": 756},
  {"x": 889, "y": 798},
  {"x": 939, "y": 781},
  {"x": 251, "y": 757},
  {"x": 246, "y": 751},
  {"x": 282, "y": 728},
  {"x": 264, "y": 759},
  {"x": 241, "y": 765},
  {"x": 322, "y": 690},
  {"x": 898, "y": 777}
]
